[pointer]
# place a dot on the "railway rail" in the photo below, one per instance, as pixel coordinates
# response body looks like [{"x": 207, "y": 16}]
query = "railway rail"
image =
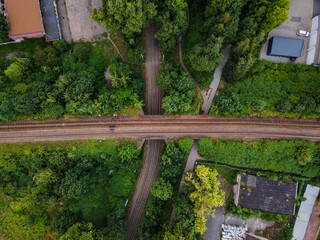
[{"x": 158, "y": 127}]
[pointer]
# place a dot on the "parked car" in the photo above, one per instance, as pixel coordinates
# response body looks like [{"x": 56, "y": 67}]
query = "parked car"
[{"x": 303, "y": 33}]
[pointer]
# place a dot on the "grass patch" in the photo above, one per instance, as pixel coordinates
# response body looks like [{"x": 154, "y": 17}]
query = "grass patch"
[{"x": 26, "y": 46}]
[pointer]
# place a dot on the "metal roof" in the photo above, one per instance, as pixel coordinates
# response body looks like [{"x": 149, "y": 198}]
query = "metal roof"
[
  {"x": 50, "y": 20},
  {"x": 285, "y": 47},
  {"x": 305, "y": 210},
  {"x": 267, "y": 195}
]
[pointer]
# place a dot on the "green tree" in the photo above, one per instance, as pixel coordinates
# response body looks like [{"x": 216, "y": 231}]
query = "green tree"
[
  {"x": 128, "y": 152},
  {"x": 276, "y": 13},
  {"x": 304, "y": 155},
  {"x": 205, "y": 56},
  {"x": 125, "y": 16},
  {"x": 4, "y": 28},
  {"x": 172, "y": 21},
  {"x": 64, "y": 220},
  {"x": 185, "y": 144},
  {"x": 206, "y": 196},
  {"x": 161, "y": 189},
  {"x": 81, "y": 231},
  {"x": 17, "y": 70}
]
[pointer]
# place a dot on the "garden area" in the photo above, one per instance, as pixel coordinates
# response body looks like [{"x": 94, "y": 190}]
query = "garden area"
[
  {"x": 280, "y": 90},
  {"x": 43, "y": 80},
  {"x": 67, "y": 190}
]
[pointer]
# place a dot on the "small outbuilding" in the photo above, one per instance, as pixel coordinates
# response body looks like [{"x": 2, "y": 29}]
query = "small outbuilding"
[
  {"x": 285, "y": 47},
  {"x": 266, "y": 195}
]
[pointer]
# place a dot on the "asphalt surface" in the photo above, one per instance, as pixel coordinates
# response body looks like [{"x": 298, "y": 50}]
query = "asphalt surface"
[{"x": 152, "y": 65}]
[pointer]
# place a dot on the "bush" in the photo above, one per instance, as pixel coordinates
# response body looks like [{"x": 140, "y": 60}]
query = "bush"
[
  {"x": 185, "y": 144},
  {"x": 161, "y": 189}
]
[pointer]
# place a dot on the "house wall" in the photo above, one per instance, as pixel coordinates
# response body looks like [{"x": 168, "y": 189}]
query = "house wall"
[{"x": 27, "y": 35}]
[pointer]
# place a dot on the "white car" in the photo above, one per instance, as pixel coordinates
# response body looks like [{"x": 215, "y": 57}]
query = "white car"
[{"x": 303, "y": 33}]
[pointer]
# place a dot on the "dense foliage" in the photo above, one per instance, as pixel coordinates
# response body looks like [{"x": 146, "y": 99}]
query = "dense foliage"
[
  {"x": 68, "y": 189},
  {"x": 275, "y": 155},
  {"x": 65, "y": 79},
  {"x": 177, "y": 87},
  {"x": 239, "y": 23},
  {"x": 4, "y": 28},
  {"x": 125, "y": 16},
  {"x": 206, "y": 196},
  {"x": 285, "y": 90},
  {"x": 245, "y": 213},
  {"x": 169, "y": 174},
  {"x": 172, "y": 22}
]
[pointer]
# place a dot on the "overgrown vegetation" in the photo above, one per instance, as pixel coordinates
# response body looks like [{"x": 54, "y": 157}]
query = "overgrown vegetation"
[
  {"x": 172, "y": 22},
  {"x": 218, "y": 24},
  {"x": 178, "y": 89},
  {"x": 283, "y": 90},
  {"x": 4, "y": 28},
  {"x": 169, "y": 175},
  {"x": 67, "y": 189},
  {"x": 62, "y": 79},
  {"x": 245, "y": 213},
  {"x": 276, "y": 155}
]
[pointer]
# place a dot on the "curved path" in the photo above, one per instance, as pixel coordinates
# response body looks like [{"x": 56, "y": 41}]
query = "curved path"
[
  {"x": 206, "y": 95},
  {"x": 215, "y": 82},
  {"x": 151, "y": 157},
  {"x": 147, "y": 176}
]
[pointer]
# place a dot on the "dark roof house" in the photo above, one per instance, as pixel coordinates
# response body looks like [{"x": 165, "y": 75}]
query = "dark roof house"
[
  {"x": 266, "y": 195},
  {"x": 285, "y": 47}
]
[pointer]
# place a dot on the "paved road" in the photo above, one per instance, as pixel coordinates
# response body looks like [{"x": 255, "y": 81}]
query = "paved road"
[
  {"x": 152, "y": 64},
  {"x": 147, "y": 176},
  {"x": 159, "y": 127},
  {"x": 215, "y": 82}
]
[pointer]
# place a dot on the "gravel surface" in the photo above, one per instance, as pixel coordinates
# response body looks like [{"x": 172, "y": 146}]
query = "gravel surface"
[
  {"x": 152, "y": 65},
  {"x": 142, "y": 191}
]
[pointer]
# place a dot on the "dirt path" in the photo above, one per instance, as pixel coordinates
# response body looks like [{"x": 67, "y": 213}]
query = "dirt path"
[
  {"x": 147, "y": 176},
  {"x": 314, "y": 223},
  {"x": 152, "y": 65}
]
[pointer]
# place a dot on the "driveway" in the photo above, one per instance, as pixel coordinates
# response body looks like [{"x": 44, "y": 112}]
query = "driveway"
[
  {"x": 300, "y": 15},
  {"x": 214, "y": 225}
]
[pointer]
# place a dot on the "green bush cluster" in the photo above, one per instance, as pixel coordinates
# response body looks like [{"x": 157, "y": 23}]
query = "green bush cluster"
[
  {"x": 172, "y": 22},
  {"x": 73, "y": 188},
  {"x": 285, "y": 90},
  {"x": 177, "y": 87},
  {"x": 66, "y": 79},
  {"x": 245, "y": 213},
  {"x": 4, "y": 27},
  {"x": 275, "y": 155}
]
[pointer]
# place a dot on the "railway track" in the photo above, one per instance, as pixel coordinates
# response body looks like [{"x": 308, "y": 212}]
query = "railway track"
[{"x": 158, "y": 127}]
